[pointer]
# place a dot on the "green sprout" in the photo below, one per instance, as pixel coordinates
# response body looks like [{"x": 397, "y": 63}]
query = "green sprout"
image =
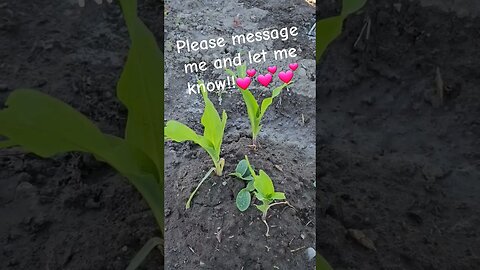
[
  {"x": 47, "y": 127},
  {"x": 262, "y": 187},
  {"x": 212, "y": 138},
  {"x": 254, "y": 111}
]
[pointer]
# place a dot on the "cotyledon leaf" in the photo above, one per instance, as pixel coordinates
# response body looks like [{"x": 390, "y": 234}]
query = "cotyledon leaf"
[{"x": 243, "y": 200}]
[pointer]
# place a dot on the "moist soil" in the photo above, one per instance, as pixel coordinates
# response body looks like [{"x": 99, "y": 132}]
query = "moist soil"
[
  {"x": 398, "y": 169},
  {"x": 70, "y": 211},
  {"x": 213, "y": 233}
]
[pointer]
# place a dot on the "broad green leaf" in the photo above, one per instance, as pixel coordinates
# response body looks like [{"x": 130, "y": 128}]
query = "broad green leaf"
[
  {"x": 214, "y": 126},
  {"x": 264, "y": 184},
  {"x": 351, "y": 6},
  {"x": 278, "y": 196},
  {"x": 327, "y": 30},
  {"x": 179, "y": 132},
  {"x": 242, "y": 167},
  {"x": 243, "y": 200},
  {"x": 322, "y": 264},
  {"x": 46, "y": 126},
  {"x": 140, "y": 87}
]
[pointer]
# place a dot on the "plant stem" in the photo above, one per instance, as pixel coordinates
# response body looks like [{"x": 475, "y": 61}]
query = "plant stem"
[
  {"x": 219, "y": 166},
  {"x": 187, "y": 206}
]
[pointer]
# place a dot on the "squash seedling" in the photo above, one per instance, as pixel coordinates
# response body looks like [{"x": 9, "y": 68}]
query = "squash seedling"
[
  {"x": 255, "y": 112},
  {"x": 47, "y": 127},
  {"x": 212, "y": 138},
  {"x": 262, "y": 187}
]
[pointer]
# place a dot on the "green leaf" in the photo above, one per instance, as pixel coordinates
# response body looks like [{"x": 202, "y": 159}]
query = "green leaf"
[
  {"x": 230, "y": 72},
  {"x": 6, "y": 144},
  {"x": 351, "y": 6},
  {"x": 250, "y": 186},
  {"x": 243, "y": 200},
  {"x": 252, "y": 109},
  {"x": 278, "y": 196},
  {"x": 327, "y": 30},
  {"x": 264, "y": 184},
  {"x": 242, "y": 71},
  {"x": 179, "y": 132},
  {"x": 330, "y": 28},
  {"x": 247, "y": 178},
  {"x": 46, "y": 126},
  {"x": 242, "y": 167},
  {"x": 260, "y": 196},
  {"x": 263, "y": 207},
  {"x": 140, "y": 87},
  {"x": 268, "y": 101},
  {"x": 143, "y": 253},
  {"x": 322, "y": 264},
  {"x": 213, "y": 125}
]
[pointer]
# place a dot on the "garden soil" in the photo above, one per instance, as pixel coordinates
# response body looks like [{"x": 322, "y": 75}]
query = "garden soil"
[
  {"x": 398, "y": 167},
  {"x": 397, "y": 170}
]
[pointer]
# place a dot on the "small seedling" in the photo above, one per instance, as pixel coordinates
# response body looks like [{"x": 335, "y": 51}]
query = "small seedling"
[
  {"x": 212, "y": 138},
  {"x": 255, "y": 112},
  {"x": 262, "y": 187}
]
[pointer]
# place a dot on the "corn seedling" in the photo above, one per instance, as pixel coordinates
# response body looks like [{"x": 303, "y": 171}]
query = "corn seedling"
[
  {"x": 256, "y": 112},
  {"x": 328, "y": 29},
  {"x": 212, "y": 138},
  {"x": 262, "y": 187},
  {"x": 47, "y": 127}
]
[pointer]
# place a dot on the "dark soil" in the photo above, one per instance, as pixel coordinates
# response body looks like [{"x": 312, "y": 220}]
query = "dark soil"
[
  {"x": 69, "y": 212},
  {"x": 396, "y": 167},
  {"x": 287, "y": 151},
  {"x": 191, "y": 235}
]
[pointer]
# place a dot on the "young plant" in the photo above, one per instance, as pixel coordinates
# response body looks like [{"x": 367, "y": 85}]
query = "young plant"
[
  {"x": 255, "y": 112},
  {"x": 47, "y": 127},
  {"x": 212, "y": 138},
  {"x": 262, "y": 187}
]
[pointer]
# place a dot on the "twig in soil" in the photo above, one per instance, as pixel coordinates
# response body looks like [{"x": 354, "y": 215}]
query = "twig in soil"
[
  {"x": 366, "y": 27},
  {"x": 187, "y": 206},
  {"x": 439, "y": 84},
  {"x": 297, "y": 249}
]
